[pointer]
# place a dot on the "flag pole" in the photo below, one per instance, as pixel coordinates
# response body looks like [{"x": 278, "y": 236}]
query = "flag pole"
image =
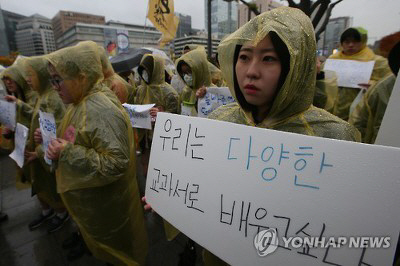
[{"x": 145, "y": 21}]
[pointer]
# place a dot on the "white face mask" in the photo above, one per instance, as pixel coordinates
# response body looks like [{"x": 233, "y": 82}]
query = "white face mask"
[
  {"x": 188, "y": 79},
  {"x": 145, "y": 76}
]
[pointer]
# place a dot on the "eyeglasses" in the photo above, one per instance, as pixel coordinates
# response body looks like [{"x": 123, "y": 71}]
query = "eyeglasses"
[{"x": 56, "y": 82}]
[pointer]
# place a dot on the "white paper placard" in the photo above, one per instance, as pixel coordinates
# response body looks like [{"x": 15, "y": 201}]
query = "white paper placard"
[
  {"x": 350, "y": 72},
  {"x": 21, "y": 134},
  {"x": 7, "y": 114},
  {"x": 214, "y": 98},
  {"x": 139, "y": 114},
  {"x": 219, "y": 183},
  {"x": 388, "y": 133},
  {"x": 48, "y": 128}
]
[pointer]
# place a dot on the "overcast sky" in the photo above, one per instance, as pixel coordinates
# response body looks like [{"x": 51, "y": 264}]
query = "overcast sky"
[{"x": 378, "y": 17}]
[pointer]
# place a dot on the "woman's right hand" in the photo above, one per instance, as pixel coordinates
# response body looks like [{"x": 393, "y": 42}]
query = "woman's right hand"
[
  {"x": 10, "y": 98},
  {"x": 147, "y": 207},
  {"x": 37, "y": 136},
  {"x": 201, "y": 92}
]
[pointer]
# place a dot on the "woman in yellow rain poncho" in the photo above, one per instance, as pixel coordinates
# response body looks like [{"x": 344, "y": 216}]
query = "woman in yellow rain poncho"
[
  {"x": 122, "y": 89},
  {"x": 34, "y": 71},
  {"x": 17, "y": 86},
  {"x": 96, "y": 175},
  {"x": 326, "y": 89},
  {"x": 354, "y": 47},
  {"x": 154, "y": 89},
  {"x": 269, "y": 65},
  {"x": 368, "y": 115},
  {"x": 194, "y": 70}
]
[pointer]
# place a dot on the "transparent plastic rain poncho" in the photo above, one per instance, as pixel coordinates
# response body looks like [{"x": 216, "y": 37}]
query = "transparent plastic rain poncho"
[
  {"x": 326, "y": 91},
  {"x": 43, "y": 181},
  {"x": 157, "y": 90},
  {"x": 197, "y": 61},
  {"x": 367, "y": 116},
  {"x": 216, "y": 75},
  {"x": 347, "y": 95},
  {"x": 96, "y": 174},
  {"x": 29, "y": 96},
  {"x": 291, "y": 109}
]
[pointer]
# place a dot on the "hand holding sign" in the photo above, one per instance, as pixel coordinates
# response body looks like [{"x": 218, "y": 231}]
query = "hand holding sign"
[{"x": 55, "y": 148}]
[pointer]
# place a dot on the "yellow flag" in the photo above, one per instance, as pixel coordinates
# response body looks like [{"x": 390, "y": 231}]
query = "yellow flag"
[{"x": 161, "y": 14}]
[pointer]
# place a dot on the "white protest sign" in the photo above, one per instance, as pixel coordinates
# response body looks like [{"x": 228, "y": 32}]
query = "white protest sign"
[
  {"x": 139, "y": 114},
  {"x": 214, "y": 98},
  {"x": 21, "y": 134},
  {"x": 221, "y": 183},
  {"x": 350, "y": 72},
  {"x": 7, "y": 114},
  {"x": 388, "y": 133},
  {"x": 48, "y": 128}
]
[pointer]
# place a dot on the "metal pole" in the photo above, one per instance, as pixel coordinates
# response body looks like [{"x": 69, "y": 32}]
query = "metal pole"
[{"x": 209, "y": 47}]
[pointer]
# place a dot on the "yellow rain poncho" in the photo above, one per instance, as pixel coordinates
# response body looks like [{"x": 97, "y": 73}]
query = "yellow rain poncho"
[
  {"x": 28, "y": 96},
  {"x": 43, "y": 182},
  {"x": 96, "y": 173},
  {"x": 216, "y": 75},
  {"x": 347, "y": 95},
  {"x": 367, "y": 116},
  {"x": 326, "y": 91},
  {"x": 292, "y": 109},
  {"x": 157, "y": 90},
  {"x": 197, "y": 61}
]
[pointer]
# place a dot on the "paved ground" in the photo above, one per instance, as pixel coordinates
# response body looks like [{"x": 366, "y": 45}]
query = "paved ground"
[{"x": 21, "y": 247}]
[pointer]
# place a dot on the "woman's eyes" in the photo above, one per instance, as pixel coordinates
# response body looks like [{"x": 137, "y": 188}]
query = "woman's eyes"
[
  {"x": 243, "y": 57},
  {"x": 269, "y": 58}
]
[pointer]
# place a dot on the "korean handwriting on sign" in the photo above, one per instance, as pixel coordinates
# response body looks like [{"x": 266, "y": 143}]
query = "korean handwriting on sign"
[
  {"x": 187, "y": 140},
  {"x": 213, "y": 101},
  {"x": 164, "y": 182},
  {"x": 161, "y": 8},
  {"x": 249, "y": 220},
  {"x": 48, "y": 125},
  {"x": 273, "y": 157}
]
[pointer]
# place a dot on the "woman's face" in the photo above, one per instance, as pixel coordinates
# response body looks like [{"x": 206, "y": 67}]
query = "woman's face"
[
  {"x": 60, "y": 85},
  {"x": 258, "y": 70},
  {"x": 11, "y": 85},
  {"x": 32, "y": 79},
  {"x": 351, "y": 46}
]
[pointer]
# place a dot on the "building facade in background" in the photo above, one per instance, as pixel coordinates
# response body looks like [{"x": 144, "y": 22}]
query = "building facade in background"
[
  {"x": 184, "y": 26},
  {"x": 11, "y": 21},
  {"x": 64, "y": 20},
  {"x": 223, "y": 17},
  {"x": 138, "y": 36},
  {"x": 330, "y": 38},
  {"x": 245, "y": 15},
  {"x": 4, "y": 48},
  {"x": 35, "y": 36},
  {"x": 201, "y": 40}
]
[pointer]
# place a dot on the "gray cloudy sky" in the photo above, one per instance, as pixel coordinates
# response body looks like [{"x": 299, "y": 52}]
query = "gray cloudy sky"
[{"x": 378, "y": 17}]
